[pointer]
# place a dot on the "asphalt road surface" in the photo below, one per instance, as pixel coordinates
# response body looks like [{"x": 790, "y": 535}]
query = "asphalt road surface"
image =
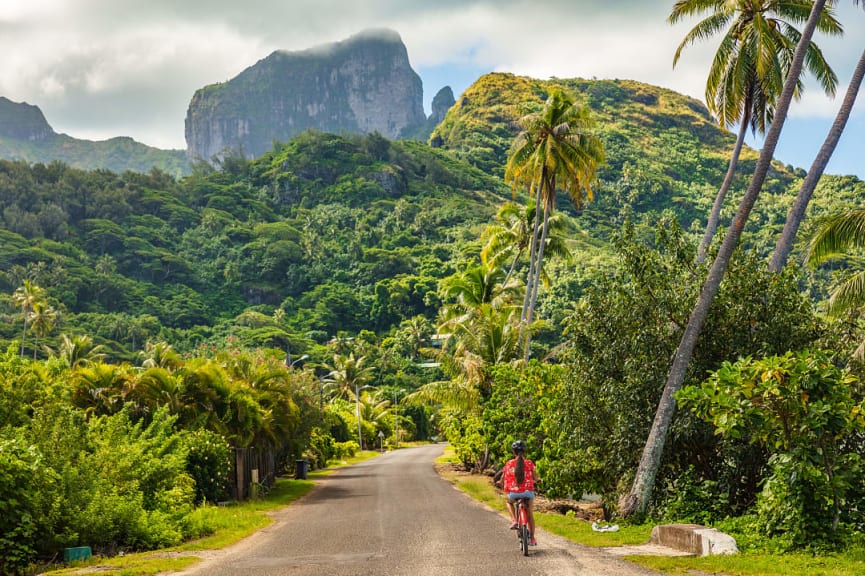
[{"x": 393, "y": 515}]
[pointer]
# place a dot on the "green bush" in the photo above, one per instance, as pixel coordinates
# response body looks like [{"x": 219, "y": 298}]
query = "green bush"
[
  {"x": 347, "y": 449},
  {"x": 208, "y": 462},
  {"x": 802, "y": 408},
  {"x": 693, "y": 500},
  {"x": 22, "y": 475},
  {"x": 321, "y": 448}
]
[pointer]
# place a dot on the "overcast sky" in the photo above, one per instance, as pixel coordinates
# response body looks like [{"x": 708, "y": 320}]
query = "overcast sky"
[{"x": 104, "y": 68}]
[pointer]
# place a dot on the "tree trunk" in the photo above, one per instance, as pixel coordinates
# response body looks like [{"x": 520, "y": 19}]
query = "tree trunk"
[
  {"x": 532, "y": 253},
  {"x": 797, "y": 212},
  {"x": 637, "y": 501},
  {"x": 540, "y": 257},
  {"x": 513, "y": 267},
  {"x": 23, "y": 335},
  {"x": 715, "y": 214}
]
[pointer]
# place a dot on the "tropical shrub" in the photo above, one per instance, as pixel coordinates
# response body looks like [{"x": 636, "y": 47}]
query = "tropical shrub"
[
  {"x": 208, "y": 462},
  {"x": 25, "y": 503},
  {"x": 809, "y": 413}
]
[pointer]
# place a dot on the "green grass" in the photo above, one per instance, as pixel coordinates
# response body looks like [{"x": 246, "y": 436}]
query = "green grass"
[
  {"x": 225, "y": 525},
  {"x": 745, "y": 564},
  {"x": 578, "y": 530}
]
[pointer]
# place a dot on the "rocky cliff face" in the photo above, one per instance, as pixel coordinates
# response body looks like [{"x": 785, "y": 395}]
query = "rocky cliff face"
[
  {"x": 441, "y": 103},
  {"x": 22, "y": 121},
  {"x": 362, "y": 84}
]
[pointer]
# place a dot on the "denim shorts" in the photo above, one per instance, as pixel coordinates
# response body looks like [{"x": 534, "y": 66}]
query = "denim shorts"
[{"x": 517, "y": 495}]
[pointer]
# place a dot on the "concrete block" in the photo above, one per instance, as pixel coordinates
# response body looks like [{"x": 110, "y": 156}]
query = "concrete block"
[{"x": 694, "y": 539}]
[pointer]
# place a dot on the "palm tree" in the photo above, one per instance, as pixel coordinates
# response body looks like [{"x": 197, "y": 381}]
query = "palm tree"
[
  {"x": 797, "y": 212},
  {"x": 749, "y": 68},
  {"x": 506, "y": 243},
  {"x": 208, "y": 390},
  {"x": 349, "y": 374},
  {"x": 837, "y": 236},
  {"x": 100, "y": 388},
  {"x": 42, "y": 319},
  {"x": 27, "y": 296},
  {"x": 78, "y": 351},
  {"x": 374, "y": 408},
  {"x": 554, "y": 149},
  {"x": 160, "y": 355},
  {"x": 465, "y": 291},
  {"x": 636, "y": 502}
]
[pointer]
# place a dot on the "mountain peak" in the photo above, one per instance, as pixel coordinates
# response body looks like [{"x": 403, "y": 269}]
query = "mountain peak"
[
  {"x": 362, "y": 84},
  {"x": 22, "y": 121}
]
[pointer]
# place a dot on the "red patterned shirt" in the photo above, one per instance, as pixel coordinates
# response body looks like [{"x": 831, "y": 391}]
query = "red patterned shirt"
[{"x": 510, "y": 479}]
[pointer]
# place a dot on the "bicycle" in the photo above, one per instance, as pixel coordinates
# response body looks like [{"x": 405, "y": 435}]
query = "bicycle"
[{"x": 522, "y": 515}]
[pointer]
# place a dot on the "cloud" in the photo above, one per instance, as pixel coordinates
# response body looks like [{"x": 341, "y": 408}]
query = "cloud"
[{"x": 101, "y": 68}]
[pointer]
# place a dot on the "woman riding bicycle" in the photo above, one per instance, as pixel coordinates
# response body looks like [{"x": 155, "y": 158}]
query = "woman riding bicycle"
[{"x": 518, "y": 479}]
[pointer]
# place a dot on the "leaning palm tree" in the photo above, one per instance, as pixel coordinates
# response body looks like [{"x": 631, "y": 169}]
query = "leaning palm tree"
[
  {"x": 749, "y": 68},
  {"x": 637, "y": 500},
  {"x": 836, "y": 238},
  {"x": 555, "y": 148},
  {"x": 797, "y": 211}
]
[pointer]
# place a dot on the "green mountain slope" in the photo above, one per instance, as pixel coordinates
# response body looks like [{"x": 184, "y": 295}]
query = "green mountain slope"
[
  {"x": 115, "y": 154},
  {"x": 26, "y": 135},
  {"x": 340, "y": 233},
  {"x": 664, "y": 152}
]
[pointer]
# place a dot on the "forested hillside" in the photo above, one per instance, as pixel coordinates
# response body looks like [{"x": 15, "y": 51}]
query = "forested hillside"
[
  {"x": 341, "y": 233},
  {"x": 664, "y": 152},
  {"x": 351, "y": 233}
]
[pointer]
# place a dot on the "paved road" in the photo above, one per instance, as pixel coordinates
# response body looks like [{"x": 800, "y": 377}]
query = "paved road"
[{"x": 393, "y": 515}]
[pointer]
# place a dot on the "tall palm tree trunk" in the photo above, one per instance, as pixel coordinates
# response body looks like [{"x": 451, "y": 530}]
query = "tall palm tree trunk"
[
  {"x": 797, "y": 212},
  {"x": 715, "y": 215},
  {"x": 540, "y": 257},
  {"x": 532, "y": 258},
  {"x": 637, "y": 501},
  {"x": 23, "y": 335},
  {"x": 513, "y": 267}
]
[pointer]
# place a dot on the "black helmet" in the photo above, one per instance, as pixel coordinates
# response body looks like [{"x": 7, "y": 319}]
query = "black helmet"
[{"x": 518, "y": 446}]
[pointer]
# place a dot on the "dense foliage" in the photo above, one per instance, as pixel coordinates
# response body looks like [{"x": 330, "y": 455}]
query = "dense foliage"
[{"x": 334, "y": 234}]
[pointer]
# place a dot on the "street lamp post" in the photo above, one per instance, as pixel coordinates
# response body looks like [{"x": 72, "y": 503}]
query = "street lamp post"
[
  {"x": 321, "y": 380},
  {"x": 357, "y": 413}
]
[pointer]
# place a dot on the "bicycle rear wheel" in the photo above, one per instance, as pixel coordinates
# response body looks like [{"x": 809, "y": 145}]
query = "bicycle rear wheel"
[{"x": 524, "y": 539}]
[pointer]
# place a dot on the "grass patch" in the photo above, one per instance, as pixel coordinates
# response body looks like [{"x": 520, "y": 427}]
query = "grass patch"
[
  {"x": 578, "y": 530},
  {"x": 448, "y": 456},
  {"x": 224, "y": 525},
  {"x": 479, "y": 488},
  {"x": 131, "y": 565},
  {"x": 756, "y": 565}
]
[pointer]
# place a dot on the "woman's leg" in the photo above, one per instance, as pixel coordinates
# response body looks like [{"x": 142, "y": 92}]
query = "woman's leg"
[{"x": 531, "y": 515}]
